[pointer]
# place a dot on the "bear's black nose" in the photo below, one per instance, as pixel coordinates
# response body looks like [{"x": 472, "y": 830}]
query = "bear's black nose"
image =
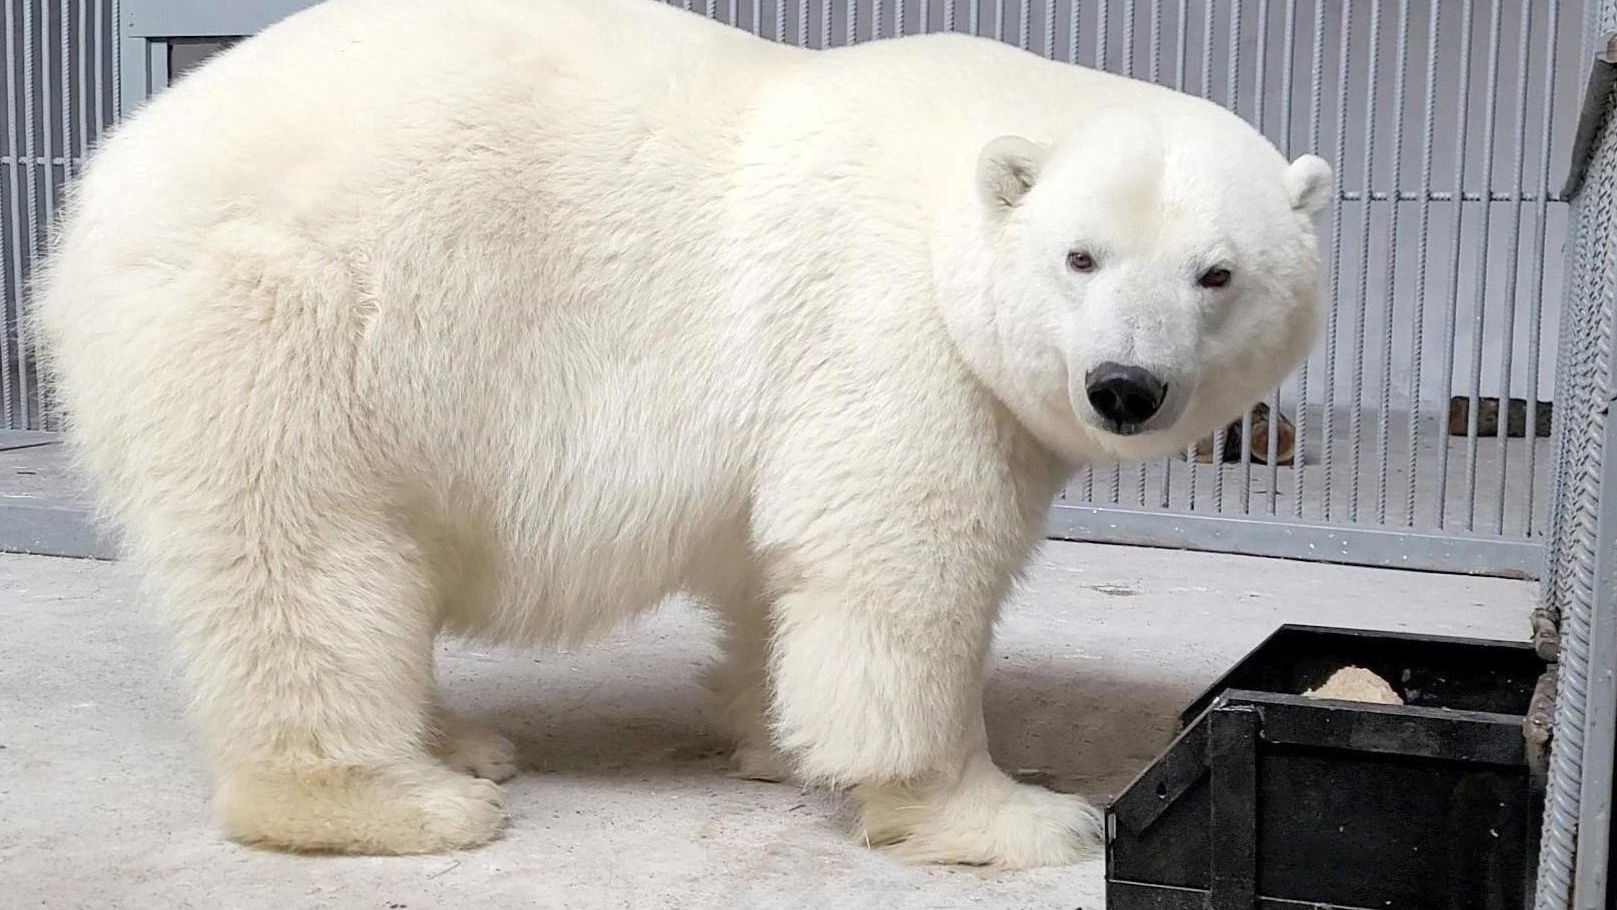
[{"x": 1124, "y": 396}]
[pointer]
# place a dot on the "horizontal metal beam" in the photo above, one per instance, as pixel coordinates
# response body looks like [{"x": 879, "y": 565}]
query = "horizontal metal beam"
[
  {"x": 26, "y": 527},
  {"x": 1251, "y": 536},
  {"x": 204, "y": 18}
]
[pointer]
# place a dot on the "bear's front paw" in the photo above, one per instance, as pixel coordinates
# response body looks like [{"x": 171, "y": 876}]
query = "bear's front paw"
[
  {"x": 477, "y": 751},
  {"x": 993, "y": 822},
  {"x": 760, "y": 764}
]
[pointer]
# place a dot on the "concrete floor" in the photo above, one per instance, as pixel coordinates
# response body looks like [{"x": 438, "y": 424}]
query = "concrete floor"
[{"x": 624, "y": 802}]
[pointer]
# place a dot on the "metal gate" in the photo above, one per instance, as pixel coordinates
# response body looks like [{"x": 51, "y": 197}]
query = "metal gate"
[{"x": 1415, "y": 436}]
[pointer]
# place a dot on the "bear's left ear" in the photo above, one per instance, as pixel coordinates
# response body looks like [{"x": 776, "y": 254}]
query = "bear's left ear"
[
  {"x": 1308, "y": 184},
  {"x": 1006, "y": 170}
]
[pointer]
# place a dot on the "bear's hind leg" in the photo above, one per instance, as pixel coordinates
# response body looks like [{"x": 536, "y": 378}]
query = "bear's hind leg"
[
  {"x": 309, "y": 645},
  {"x": 738, "y": 684}
]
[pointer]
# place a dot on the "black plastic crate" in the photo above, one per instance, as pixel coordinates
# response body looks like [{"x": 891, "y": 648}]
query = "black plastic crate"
[{"x": 1271, "y": 800}]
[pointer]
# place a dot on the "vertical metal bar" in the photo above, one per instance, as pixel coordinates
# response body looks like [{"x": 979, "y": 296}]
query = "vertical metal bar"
[
  {"x": 1316, "y": 105},
  {"x": 1361, "y": 313},
  {"x": 877, "y": 10},
  {"x": 132, "y": 79},
  {"x": 1128, "y": 37},
  {"x": 1215, "y": 446},
  {"x": 1524, "y": 58},
  {"x": 65, "y": 141},
  {"x": 1102, "y": 28},
  {"x": 1050, "y": 29},
  {"x": 1536, "y": 279},
  {"x": 1288, "y": 61},
  {"x": 157, "y": 72},
  {"x": 1156, "y": 41},
  {"x": 98, "y": 65},
  {"x": 1024, "y": 26},
  {"x": 1207, "y": 50},
  {"x": 825, "y": 23},
  {"x": 711, "y": 9},
  {"x": 116, "y": 36},
  {"x": 1261, "y": 73},
  {"x": 14, "y": 184},
  {"x": 32, "y": 152},
  {"x": 1328, "y": 430},
  {"x": 1388, "y": 336},
  {"x": 1181, "y": 45},
  {"x": 1592, "y": 874},
  {"x": 898, "y": 18},
  {"x": 1233, "y": 92},
  {"x": 1260, "y": 96},
  {"x": 1166, "y": 491},
  {"x": 84, "y": 86},
  {"x": 949, "y": 11},
  {"x": 1451, "y": 316},
  {"x": 998, "y": 6},
  {"x": 923, "y": 16},
  {"x": 1102, "y": 36},
  {"x": 1480, "y": 326},
  {"x": 1417, "y": 328}
]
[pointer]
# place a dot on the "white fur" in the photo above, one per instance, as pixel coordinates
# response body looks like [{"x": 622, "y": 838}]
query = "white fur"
[{"x": 514, "y": 318}]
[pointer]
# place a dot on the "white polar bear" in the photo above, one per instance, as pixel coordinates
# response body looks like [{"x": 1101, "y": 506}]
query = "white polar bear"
[{"x": 514, "y": 318}]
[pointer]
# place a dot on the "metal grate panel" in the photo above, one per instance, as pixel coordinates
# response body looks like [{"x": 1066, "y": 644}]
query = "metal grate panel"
[{"x": 57, "y": 60}]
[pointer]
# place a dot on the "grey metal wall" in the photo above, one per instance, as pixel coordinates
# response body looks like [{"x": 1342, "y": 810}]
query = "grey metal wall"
[{"x": 1447, "y": 123}]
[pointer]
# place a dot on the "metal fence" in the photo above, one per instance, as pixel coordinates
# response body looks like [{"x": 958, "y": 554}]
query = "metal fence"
[
  {"x": 1577, "y": 621},
  {"x": 60, "y": 93},
  {"x": 1412, "y": 435}
]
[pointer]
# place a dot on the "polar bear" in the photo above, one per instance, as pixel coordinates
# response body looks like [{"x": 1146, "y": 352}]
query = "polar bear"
[{"x": 512, "y": 319}]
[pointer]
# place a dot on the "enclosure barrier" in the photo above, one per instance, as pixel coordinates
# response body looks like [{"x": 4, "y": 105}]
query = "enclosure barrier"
[
  {"x": 1576, "y": 625},
  {"x": 1415, "y": 436}
]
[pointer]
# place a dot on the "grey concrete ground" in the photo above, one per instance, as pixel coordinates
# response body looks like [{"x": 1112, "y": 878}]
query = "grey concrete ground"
[{"x": 624, "y": 802}]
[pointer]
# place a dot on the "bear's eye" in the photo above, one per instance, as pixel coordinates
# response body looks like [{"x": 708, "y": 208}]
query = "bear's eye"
[
  {"x": 1080, "y": 261},
  {"x": 1214, "y": 278}
]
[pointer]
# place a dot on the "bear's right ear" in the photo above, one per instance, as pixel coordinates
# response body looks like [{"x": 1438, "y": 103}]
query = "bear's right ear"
[
  {"x": 1006, "y": 170},
  {"x": 1308, "y": 184}
]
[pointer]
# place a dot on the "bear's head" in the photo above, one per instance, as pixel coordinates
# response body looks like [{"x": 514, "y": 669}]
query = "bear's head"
[{"x": 1141, "y": 282}]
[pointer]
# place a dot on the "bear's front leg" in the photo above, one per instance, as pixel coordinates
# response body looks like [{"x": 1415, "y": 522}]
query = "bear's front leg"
[{"x": 877, "y": 667}]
